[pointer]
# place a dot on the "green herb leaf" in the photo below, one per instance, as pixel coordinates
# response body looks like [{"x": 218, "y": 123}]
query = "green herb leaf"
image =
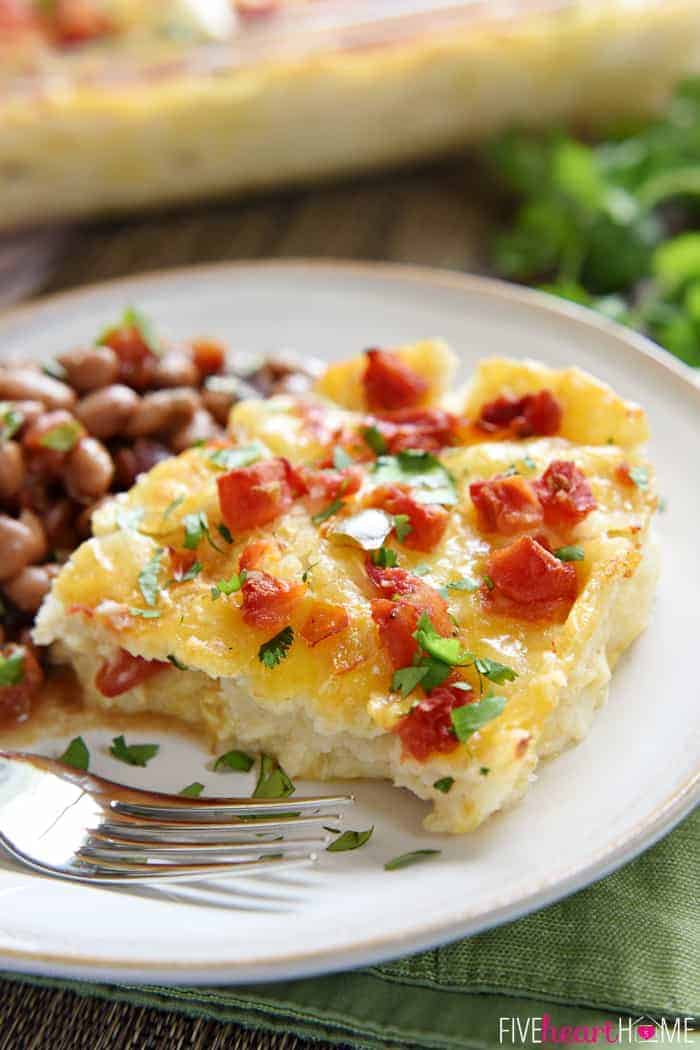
[
  {"x": 11, "y": 419},
  {"x": 328, "y": 511},
  {"x": 466, "y": 720},
  {"x": 464, "y": 583},
  {"x": 229, "y": 586},
  {"x": 528, "y": 462},
  {"x": 133, "y": 318},
  {"x": 177, "y": 663},
  {"x": 193, "y": 571},
  {"x": 422, "y": 569},
  {"x": 196, "y": 528},
  {"x": 402, "y": 526},
  {"x": 236, "y": 761},
  {"x": 234, "y": 458},
  {"x": 407, "y": 859},
  {"x": 148, "y": 578},
  {"x": 145, "y": 614},
  {"x": 225, "y": 532},
  {"x": 640, "y": 477},
  {"x": 489, "y": 582},
  {"x": 341, "y": 460},
  {"x": 406, "y": 679},
  {"x": 569, "y": 553},
  {"x": 447, "y": 650},
  {"x": 374, "y": 440},
  {"x": 273, "y": 652},
  {"x": 273, "y": 782},
  {"x": 76, "y": 755},
  {"x": 350, "y": 840},
  {"x": 129, "y": 517},
  {"x": 12, "y": 668},
  {"x": 422, "y": 471},
  {"x": 386, "y": 557},
  {"x": 494, "y": 671},
  {"x": 133, "y": 754},
  {"x": 444, "y": 784},
  {"x": 484, "y": 770},
  {"x": 192, "y": 790},
  {"x": 63, "y": 437}
]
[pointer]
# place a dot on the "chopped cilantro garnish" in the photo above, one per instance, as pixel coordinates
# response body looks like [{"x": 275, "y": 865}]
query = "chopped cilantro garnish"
[
  {"x": 193, "y": 571},
  {"x": 236, "y": 457},
  {"x": 76, "y": 755},
  {"x": 63, "y": 437},
  {"x": 406, "y": 679},
  {"x": 569, "y": 553},
  {"x": 422, "y": 569},
  {"x": 489, "y": 582},
  {"x": 422, "y": 471},
  {"x": 464, "y": 583},
  {"x": 328, "y": 511},
  {"x": 444, "y": 784},
  {"x": 148, "y": 578},
  {"x": 466, "y": 720},
  {"x": 307, "y": 571},
  {"x": 145, "y": 614},
  {"x": 273, "y": 652},
  {"x": 133, "y": 754},
  {"x": 129, "y": 517},
  {"x": 177, "y": 663},
  {"x": 12, "y": 668},
  {"x": 196, "y": 528},
  {"x": 225, "y": 532},
  {"x": 374, "y": 440},
  {"x": 406, "y": 859},
  {"x": 236, "y": 761},
  {"x": 10, "y": 421},
  {"x": 640, "y": 477},
  {"x": 402, "y": 526},
  {"x": 341, "y": 460},
  {"x": 229, "y": 586},
  {"x": 447, "y": 650},
  {"x": 494, "y": 671},
  {"x": 273, "y": 782},
  {"x": 192, "y": 790},
  {"x": 386, "y": 557},
  {"x": 350, "y": 840},
  {"x": 133, "y": 318},
  {"x": 484, "y": 770},
  {"x": 172, "y": 507},
  {"x": 528, "y": 462}
]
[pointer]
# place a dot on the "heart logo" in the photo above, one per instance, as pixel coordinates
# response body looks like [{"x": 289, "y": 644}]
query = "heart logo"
[{"x": 646, "y": 1031}]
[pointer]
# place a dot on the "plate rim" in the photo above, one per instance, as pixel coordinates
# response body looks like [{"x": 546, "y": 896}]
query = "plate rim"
[{"x": 641, "y": 836}]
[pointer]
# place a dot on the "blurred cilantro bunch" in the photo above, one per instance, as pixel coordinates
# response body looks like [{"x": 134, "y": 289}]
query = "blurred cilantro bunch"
[{"x": 614, "y": 225}]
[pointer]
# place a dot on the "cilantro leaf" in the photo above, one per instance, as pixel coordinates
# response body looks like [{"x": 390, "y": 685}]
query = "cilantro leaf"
[
  {"x": 133, "y": 754},
  {"x": 177, "y": 663},
  {"x": 145, "y": 614},
  {"x": 172, "y": 507},
  {"x": 328, "y": 511},
  {"x": 350, "y": 840},
  {"x": 402, "y": 526},
  {"x": 444, "y": 784},
  {"x": 386, "y": 557},
  {"x": 273, "y": 652},
  {"x": 405, "y": 679},
  {"x": 192, "y": 790},
  {"x": 494, "y": 671},
  {"x": 76, "y": 755},
  {"x": 196, "y": 528},
  {"x": 640, "y": 477},
  {"x": 464, "y": 583},
  {"x": 236, "y": 457},
  {"x": 148, "y": 578},
  {"x": 406, "y": 859},
  {"x": 11, "y": 419},
  {"x": 569, "y": 553},
  {"x": 133, "y": 318},
  {"x": 236, "y": 761},
  {"x": 225, "y": 532},
  {"x": 12, "y": 668},
  {"x": 447, "y": 650},
  {"x": 430, "y": 481},
  {"x": 273, "y": 782},
  {"x": 466, "y": 720},
  {"x": 374, "y": 439},
  {"x": 129, "y": 517},
  {"x": 341, "y": 460},
  {"x": 229, "y": 586},
  {"x": 63, "y": 437}
]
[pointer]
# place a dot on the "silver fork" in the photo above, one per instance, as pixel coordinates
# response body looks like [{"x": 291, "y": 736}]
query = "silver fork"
[{"x": 77, "y": 826}]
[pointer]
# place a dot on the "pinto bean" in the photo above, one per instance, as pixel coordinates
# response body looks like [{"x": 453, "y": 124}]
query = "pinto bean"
[
  {"x": 39, "y": 545},
  {"x": 135, "y": 459},
  {"x": 28, "y": 588},
  {"x": 175, "y": 368},
  {"x": 200, "y": 428},
  {"x": 17, "y": 546},
  {"x": 59, "y": 524},
  {"x": 105, "y": 413},
  {"x": 12, "y": 472},
  {"x": 89, "y": 470},
  {"x": 163, "y": 412},
  {"x": 90, "y": 368},
  {"x": 20, "y": 384}
]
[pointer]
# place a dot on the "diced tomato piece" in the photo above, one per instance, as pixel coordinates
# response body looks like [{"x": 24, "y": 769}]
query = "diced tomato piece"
[
  {"x": 267, "y": 601},
  {"x": 506, "y": 505},
  {"x": 17, "y": 701},
  {"x": 427, "y": 728},
  {"x": 565, "y": 494},
  {"x": 533, "y": 414},
  {"x": 136, "y": 359},
  {"x": 529, "y": 581},
  {"x": 181, "y": 561},
  {"x": 390, "y": 384},
  {"x": 427, "y": 429},
  {"x": 428, "y": 521},
  {"x": 327, "y": 485},
  {"x": 208, "y": 355},
  {"x": 256, "y": 495},
  {"x": 324, "y": 620},
  {"x": 253, "y": 554},
  {"x": 124, "y": 671},
  {"x": 405, "y": 597}
]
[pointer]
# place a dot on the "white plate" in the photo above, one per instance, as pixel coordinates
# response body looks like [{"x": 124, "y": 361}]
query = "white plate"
[{"x": 590, "y": 810}]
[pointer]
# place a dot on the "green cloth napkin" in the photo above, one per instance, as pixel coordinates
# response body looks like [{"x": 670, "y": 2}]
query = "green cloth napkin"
[{"x": 628, "y": 945}]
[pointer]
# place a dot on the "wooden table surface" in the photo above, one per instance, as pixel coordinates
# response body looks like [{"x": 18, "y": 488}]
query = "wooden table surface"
[{"x": 436, "y": 216}]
